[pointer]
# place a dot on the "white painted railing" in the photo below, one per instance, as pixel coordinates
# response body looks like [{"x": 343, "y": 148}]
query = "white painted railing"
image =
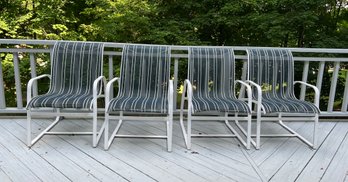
[{"x": 336, "y": 57}]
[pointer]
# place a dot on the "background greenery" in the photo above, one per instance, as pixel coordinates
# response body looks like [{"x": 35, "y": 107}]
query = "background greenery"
[{"x": 278, "y": 23}]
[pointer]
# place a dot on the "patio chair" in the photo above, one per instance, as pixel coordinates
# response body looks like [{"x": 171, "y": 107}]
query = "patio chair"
[
  {"x": 76, "y": 82},
  {"x": 271, "y": 75},
  {"x": 145, "y": 91},
  {"x": 211, "y": 93}
]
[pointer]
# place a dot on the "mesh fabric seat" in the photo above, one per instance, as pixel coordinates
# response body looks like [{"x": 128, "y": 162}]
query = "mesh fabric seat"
[
  {"x": 211, "y": 72},
  {"x": 144, "y": 86},
  {"x": 76, "y": 73},
  {"x": 74, "y": 68},
  {"x": 211, "y": 87},
  {"x": 144, "y": 80},
  {"x": 272, "y": 69},
  {"x": 271, "y": 73}
]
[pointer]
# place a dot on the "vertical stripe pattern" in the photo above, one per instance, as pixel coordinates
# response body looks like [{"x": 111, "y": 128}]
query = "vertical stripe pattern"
[
  {"x": 211, "y": 73},
  {"x": 145, "y": 72},
  {"x": 273, "y": 70},
  {"x": 74, "y": 67}
]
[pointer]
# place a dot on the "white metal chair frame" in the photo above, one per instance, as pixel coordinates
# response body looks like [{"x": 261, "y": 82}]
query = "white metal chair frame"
[
  {"x": 59, "y": 113},
  {"x": 261, "y": 115},
  {"x": 226, "y": 117},
  {"x": 128, "y": 115}
]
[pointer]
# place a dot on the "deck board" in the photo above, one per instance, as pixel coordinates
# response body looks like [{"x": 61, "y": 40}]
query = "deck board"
[
  {"x": 64, "y": 158},
  {"x": 316, "y": 167},
  {"x": 338, "y": 168}
]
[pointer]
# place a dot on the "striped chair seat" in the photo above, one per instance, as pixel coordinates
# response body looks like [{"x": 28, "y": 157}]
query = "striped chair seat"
[
  {"x": 218, "y": 103},
  {"x": 75, "y": 66},
  {"x": 211, "y": 72},
  {"x": 144, "y": 80},
  {"x": 273, "y": 70},
  {"x": 287, "y": 105}
]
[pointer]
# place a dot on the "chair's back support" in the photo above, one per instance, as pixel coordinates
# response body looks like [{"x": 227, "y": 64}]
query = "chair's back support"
[
  {"x": 272, "y": 69},
  {"x": 145, "y": 71},
  {"x": 211, "y": 71},
  {"x": 75, "y": 66}
]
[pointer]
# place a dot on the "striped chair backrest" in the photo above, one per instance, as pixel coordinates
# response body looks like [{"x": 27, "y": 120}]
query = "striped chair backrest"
[
  {"x": 273, "y": 70},
  {"x": 75, "y": 66},
  {"x": 145, "y": 71},
  {"x": 211, "y": 71}
]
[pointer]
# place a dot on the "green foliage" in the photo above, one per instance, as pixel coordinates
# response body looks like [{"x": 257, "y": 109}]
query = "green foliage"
[{"x": 283, "y": 23}]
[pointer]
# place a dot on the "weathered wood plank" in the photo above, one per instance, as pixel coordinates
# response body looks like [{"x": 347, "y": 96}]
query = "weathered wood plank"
[
  {"x": 159, "y": 147},
  {"x": 4, "y": 177},
  {"x": 117, "y": 167},
  {"x": 47, "y": 149},
  {"x": 218, "y": 162},
  {"x": 271, "y": 145},
  {"x": 321, "y": 160},
  {"x": 38, "y": 165},
  {"x": 14, "y": 168},
  {"x": 338, "y": 167},
  {"x": 298, "y": 160}
]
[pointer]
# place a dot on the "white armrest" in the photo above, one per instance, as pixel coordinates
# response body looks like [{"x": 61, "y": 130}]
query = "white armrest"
[
  {"x": 170, "y": 96},
  {"x": 316, "y": 91},
  {"x": 109, "y": 86},
  {"x": 248, "y": 92},
  {"x": 188, "y": 87},
  {"x": 30, "y": 85},
  {"x": 95, "y": 90},
  {"x": 259, "y": 94}
]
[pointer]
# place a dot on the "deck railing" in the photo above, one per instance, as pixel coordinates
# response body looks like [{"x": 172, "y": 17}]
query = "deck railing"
[{"x": 313, "y": 61}]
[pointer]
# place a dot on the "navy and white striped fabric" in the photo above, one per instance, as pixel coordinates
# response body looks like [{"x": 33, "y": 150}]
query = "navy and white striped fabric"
[
  {"x": 273, "y": 70},
  {"x": 145, "y": 72},
  {"x": 74, "y": 67},
  {"x": 211, "y": 72}
]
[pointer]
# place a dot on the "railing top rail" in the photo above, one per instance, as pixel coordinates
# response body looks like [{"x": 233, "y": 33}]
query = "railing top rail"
[{"x": 179, "y": 47}]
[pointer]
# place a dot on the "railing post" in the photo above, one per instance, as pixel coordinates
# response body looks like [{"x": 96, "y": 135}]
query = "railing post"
[
  {"x": 320, "y": 75},
  {"x": 333, "y": 87},
  {"x": 243, "y": 78},
  {"x": 111, "y": 73},
  {"x": 2, "y": 85},
  {"x": 176, "y": 70},
  {"x": 304, "y": 79},
  {"x": 33, "y": 72},
  {"x": 17, "y": 81},
  {"x": 345, "y": 96}
]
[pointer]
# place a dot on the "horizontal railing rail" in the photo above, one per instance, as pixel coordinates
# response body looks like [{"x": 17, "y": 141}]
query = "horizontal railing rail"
[{"x": 310, "y": 59}]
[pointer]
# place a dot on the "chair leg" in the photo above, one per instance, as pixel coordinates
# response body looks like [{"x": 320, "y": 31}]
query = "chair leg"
[
  {"x": 258, "y": 129},
  {"x": 29, "y": 128},
  {"x": 248, "y": 141},
  {"x": 106, "y": 131},
  {"x": 95, "y": 114},
  {"x": 169, "y": 132},
  {"x": 188, "y": 129},
  {"x": 315, "y": 131}
]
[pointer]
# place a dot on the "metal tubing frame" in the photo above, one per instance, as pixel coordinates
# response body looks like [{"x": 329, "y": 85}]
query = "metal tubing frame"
[
  {"x": 57, "y": 112},
  {"x": 121, "y": 118},
  {"x": 261, "y": 115},
  {"x": 187, "y": 132}
]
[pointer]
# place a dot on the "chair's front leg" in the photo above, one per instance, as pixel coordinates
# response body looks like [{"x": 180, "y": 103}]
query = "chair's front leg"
[{"x": 29, "y": 128}]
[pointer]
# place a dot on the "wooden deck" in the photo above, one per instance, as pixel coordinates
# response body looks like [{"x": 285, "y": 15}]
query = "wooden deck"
[{"x": 71, "y": 158}]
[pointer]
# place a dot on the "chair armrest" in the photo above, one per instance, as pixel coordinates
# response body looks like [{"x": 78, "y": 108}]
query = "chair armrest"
[
  {"x": 30, "y": 85},
  {"x": 170, "y": 96},
  {"x": 188, "y": 89},
  {"x": 258, "y": 95},
  {"x": 108, "y": 88},
  {"x": 316, "y": 91},
  {"x": 95, "y": 90},
  {"x": 248, "y": 88}
]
